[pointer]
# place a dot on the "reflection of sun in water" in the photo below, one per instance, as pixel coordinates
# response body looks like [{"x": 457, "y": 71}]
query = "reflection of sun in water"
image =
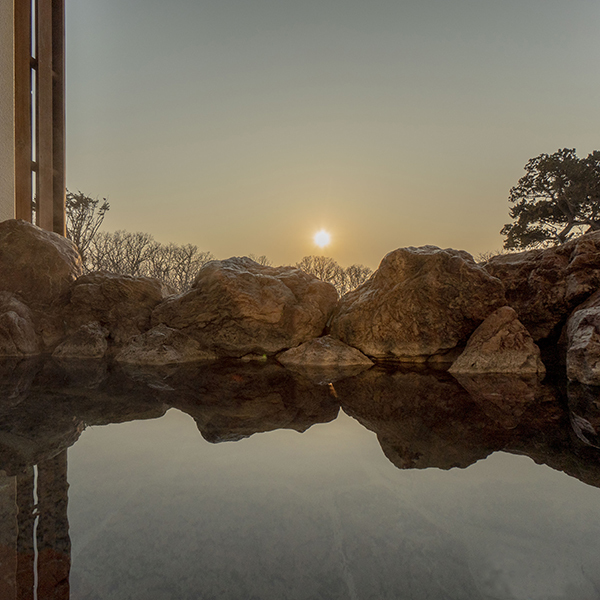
[{"x": 322, "y": 238}]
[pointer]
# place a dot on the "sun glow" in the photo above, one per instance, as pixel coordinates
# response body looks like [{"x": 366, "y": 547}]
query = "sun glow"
[{"x": 322, "y": 238}]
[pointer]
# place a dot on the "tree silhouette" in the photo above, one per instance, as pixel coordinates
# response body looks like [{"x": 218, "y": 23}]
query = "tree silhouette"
[
  {"x": 557, "y": 199},
  {"x": 139, "y": 254},
  {"x": 84, "y": 217},
  {"x": 327, "y": 269}
]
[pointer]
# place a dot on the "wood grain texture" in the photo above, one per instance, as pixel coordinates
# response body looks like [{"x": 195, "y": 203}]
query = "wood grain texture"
[
  {"x": 58, "y": 115},
  {"x": 23, "y": 109},
  {"x": 45, "y": 176}
]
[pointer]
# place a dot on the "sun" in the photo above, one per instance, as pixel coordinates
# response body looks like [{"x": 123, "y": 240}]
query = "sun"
[{"x": 322, "y": 238}]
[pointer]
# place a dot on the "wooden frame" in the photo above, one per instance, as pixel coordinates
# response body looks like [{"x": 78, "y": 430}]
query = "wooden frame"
[{"x": 39, "y": 46}]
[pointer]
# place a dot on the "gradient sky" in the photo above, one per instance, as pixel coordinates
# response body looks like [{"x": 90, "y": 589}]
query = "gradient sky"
[{"x": 244, "y": 126}]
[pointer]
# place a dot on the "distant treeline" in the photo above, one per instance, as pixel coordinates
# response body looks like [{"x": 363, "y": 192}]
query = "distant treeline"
[{"x": 139, "y": 254}]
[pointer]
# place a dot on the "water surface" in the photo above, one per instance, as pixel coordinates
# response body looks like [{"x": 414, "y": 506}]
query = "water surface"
[{"x": 255, "y": 482}]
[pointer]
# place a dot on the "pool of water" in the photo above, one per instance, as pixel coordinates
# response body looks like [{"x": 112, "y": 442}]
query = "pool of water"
[{"x": 255, "y": 482}]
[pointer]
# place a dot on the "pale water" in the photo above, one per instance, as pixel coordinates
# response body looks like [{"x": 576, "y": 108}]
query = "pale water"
[{"x": 156, "y": 512}]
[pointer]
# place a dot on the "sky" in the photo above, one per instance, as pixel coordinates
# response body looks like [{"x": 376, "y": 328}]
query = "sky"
[{"x": 246, "y": 126}]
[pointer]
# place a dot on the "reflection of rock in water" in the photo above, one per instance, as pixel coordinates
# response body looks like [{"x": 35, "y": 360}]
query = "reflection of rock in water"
[
  {"x": 35, "y": 432},
  {"x": 503, "y": 397},
  {"x": 327, "y": 375},
  {"x": 421, "y": 419},
  {"x": 88, "y": 373},
  {"x": 56, "y": 401},
  {"x": 426, "y": 419},
  {"x": 552, "y": 442},
  {"x": 238, "y": 400},
  {"x": 584, "y": 409},
  {"x": 16, "y": 377}
]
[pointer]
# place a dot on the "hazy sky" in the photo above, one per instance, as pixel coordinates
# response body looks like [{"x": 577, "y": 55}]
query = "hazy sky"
[{"x": 244, "y": 126}]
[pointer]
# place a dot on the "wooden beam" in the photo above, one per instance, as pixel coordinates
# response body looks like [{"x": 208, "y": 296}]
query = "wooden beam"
[
  {"x": 58, "y": 115},
  {"x": 44, "y": 125},
  {"x": 23, "y": 109}
]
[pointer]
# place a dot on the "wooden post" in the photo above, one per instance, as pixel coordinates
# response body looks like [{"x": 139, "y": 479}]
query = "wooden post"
[
  {"x": 23, "y": 109},
  {"x": 44, "y": 111},
  {"x": 44, "y": 105},
  {"x": 58, "y": 115}
]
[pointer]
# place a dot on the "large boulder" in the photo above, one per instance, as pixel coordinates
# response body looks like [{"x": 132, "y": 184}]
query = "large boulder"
[
  {"x": 120, "y": 303},
  {"x": 162, "y": 345},
  {"x": 17, "y": 331},
  {"x": 324, "y": 352},
  {"x": 501, "y": 344},
  {"x": 421, "y": 302},
  {"x": 582, "y": 333},
  {"x": 544, "y": 286},
  {"x": 89, "y": 341},
  {"x": 238, "y": 307},
  {"x": 325, "y": 360},
  {"x": 38, "y": 266}
]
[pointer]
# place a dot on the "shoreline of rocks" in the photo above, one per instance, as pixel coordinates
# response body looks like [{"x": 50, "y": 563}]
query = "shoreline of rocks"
[{"x": 422, "y": 305}]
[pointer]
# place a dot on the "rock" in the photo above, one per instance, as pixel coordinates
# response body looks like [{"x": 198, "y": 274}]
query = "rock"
[
  {"x": 420, "y": 302},
  {"x": 162, "y": 345},
  {"x": 89, "y": 341},
  {"x": 38, "y": 266},
  {"x": 324, "y": 352},
  {"x": 544, "y": 286},
  {"x": 501, "y": 344},
  {"x": 17, "y": 332},
  {"x": 17, "y": 336},
  {"x": 238, "y": 307},
  {"x": 583, "y": 342},
  {"x": 325, "y": 360},
  {"x": 120, "y": 303}
]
